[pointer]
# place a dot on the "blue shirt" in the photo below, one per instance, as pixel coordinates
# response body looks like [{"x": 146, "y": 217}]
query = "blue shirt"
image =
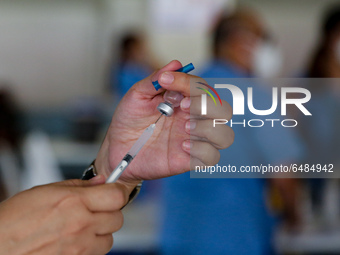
[
  {"x": 128, "y": 74},
  {"x": 321, "y": 131},
  {"x": 227, "y": 216}
]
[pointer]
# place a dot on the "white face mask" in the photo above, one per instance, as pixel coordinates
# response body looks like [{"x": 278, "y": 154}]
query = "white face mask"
[{"x": 267, "y": 60}]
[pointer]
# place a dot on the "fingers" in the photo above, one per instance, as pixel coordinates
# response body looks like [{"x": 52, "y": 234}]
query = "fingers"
[
  {"x": 99, "y": 179},
  {"x": 104, "y": 244},
  {"x": 107, "y": 222},
  {"x": 107, "y": 197},
  {"x": 205, "y": 137},
  {"x": 184, "y": 83},
  {"x": 170, "y": 80},
  {"x": 145, "y": 86},
  {"x": 221, "y": 136},
  {"x": 217, "y": 111},
  {"x": 204, "y": 152}
]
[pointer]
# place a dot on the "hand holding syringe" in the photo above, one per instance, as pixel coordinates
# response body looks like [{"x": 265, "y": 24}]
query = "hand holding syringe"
[
  {"x": 172, "y": 99},
  {"x": 131, "y": 154}
]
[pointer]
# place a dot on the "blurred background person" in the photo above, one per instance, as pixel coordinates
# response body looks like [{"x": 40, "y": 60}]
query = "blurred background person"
[
  {"x": 325, "y": 60},
  {"x": 321, "y": 133},
  {"x": 231, "y": 216},
  {"x": 10, "y": 144},
  {"x": 242, "y": 45},
  {"x": 134, "y": 63},
  {"x": 64, "y": 59},
  {"x": 26, "y": 156}
]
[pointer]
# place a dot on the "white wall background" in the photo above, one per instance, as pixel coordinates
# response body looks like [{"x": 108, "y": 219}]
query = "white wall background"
[
  {"x": 47, "y": 49},
  {"x": 295, "y": 23},
  {"x": 53, "y": 51}
]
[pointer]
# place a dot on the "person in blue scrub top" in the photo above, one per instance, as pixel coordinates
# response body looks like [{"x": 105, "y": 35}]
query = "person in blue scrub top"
[
  {"x": 230, "y": 216},
  {"x": 133, "y": 66}
]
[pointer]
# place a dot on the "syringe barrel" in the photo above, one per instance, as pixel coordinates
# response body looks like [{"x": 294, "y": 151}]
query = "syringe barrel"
[
  {"x": 141, "y": 140},
  {"x": 131, "y": 154},
  {"x": 114, "y": 176}
]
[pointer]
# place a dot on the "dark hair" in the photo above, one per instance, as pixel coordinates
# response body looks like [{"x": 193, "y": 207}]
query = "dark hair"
[
  {"x": 318, "y": 67},
  {"x": 331, "y": 19},
  {"x": 242, "y": 18},
  {"x": 10, "y": 131},
  {"x": 127, "y": 43},
  {"x": 221, "y": 32}
]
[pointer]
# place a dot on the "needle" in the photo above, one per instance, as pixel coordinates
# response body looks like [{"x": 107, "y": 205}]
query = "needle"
[{"x": 159, "y": 118}]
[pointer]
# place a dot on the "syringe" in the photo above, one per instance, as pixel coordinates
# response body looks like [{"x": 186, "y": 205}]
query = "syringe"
[
  {"x": 131, "y": 154},
  {"x": 172, "y": 100}
]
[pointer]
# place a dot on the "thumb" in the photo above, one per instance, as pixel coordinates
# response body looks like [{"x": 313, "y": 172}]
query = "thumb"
[
  {"x": 145, "y": 86},
  {"x": 99, "y": 179}
]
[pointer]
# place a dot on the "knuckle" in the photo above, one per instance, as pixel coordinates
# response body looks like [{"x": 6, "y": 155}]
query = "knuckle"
[
  {"x": 227, "y": 110},
  {"x": 119, "y": 220},
  {"x": 121, "y": 196},
  {"x": 211, "y": 159},
  {"x": 185, "y": 78},
  {"x": 182, "y": 81},
  {"x": 108, "y": 243},
  {"x": 197, "y": 80},
  {"x": 71, "y": 200},
  {"x": 216, "y": 158},
  {"x": 203, "y": 80},
  {"x": 210, "y": 132},
  {"x": 228, "y": 138},
  {"x": 72, "y": 205},
  {"x": 209, "y": 154},
  {"x": 76, "y": 250},
  {"x": 78, "y": 224}
]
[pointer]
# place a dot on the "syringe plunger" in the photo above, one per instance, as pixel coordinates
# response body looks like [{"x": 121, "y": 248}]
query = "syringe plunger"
[{"x": 137, "y": 146}]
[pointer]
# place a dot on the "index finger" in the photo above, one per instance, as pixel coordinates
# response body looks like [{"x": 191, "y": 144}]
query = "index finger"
[
  {"x": 145, "y": 86},
  {"x": 105, "y": 197},
  {"x": 183, "y": 83}
]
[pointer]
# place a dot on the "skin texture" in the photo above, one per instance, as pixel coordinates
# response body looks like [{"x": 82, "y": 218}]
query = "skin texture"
[
  {"x": 170, "y": 150},
  {"x": 79, "y": 217},
  {"x": 63, "y": 218}
]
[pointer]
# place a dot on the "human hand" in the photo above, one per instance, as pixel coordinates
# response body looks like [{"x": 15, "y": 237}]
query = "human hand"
[
  {"x": 70, "y": 217},
  {"x": 173, "y": 145}
]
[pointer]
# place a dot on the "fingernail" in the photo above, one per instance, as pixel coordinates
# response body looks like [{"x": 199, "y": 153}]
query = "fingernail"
[
  {"x": 187, "y": 145},
  {"x": 190, "y": 125},
  {"x": 185, "y": 104},
  {"x": 99, "y": 179},
  {"x": 167, "y": 78}
]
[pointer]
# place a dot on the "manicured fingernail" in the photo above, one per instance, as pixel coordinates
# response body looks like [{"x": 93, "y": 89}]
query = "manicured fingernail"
[
  {"x": 185, "y": 104},
  {"x": 187, "y": 145},
  {"x": 167, "y": 78},
  {"x": 190, "y": 125},
  {"x": 99, "y": 179}
]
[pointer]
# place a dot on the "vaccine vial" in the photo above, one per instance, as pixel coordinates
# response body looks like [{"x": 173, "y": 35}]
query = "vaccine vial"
[{"x": 172, "y": 99}]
